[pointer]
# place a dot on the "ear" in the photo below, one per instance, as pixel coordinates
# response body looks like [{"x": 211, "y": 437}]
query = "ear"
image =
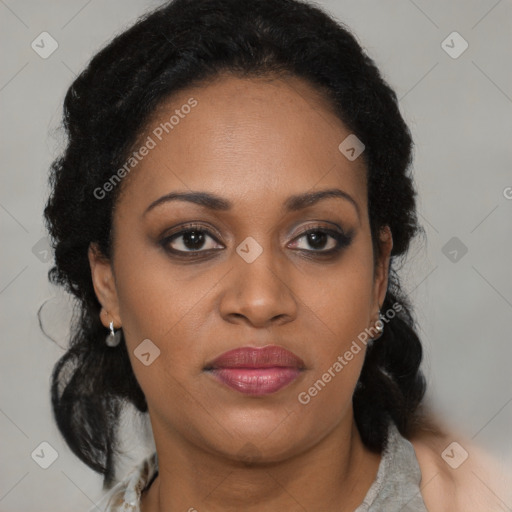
[
  {"x": 381, "y": 275},
  {"x": 104, "y": 286}
]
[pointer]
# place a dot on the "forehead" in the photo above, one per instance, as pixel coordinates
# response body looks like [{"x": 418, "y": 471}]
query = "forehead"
[{"x": 250, "y": 138}]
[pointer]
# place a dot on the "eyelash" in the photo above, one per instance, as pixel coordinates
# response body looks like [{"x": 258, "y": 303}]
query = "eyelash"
[{"x": 342, "y": 240}]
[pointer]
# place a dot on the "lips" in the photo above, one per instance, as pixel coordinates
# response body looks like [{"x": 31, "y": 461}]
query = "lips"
[
  {"x": 255, "y": 357},
  {"x": 256, "y": 371}
]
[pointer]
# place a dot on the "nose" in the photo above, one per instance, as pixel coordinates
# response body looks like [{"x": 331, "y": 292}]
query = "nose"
[{"x": 259, "y": 293}]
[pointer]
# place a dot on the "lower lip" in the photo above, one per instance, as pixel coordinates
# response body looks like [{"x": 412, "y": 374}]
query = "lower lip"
[{"x": 256, "y": 381}]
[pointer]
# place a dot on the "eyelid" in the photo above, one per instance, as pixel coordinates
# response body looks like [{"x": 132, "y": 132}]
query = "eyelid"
[
  {"x": 341, "y": 237},
  {"x": 307, "y": 229},
  {"x": 193, "y": 226},
  {"x": 319, "y": 225}
]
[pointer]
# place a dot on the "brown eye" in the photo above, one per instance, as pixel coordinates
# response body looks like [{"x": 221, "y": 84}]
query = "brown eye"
[
  {"x": 321, "y": 240},
  {"x": 192, "y": 239}
]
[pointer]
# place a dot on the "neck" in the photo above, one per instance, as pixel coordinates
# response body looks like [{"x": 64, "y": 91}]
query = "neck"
[{"x": 333, "y": 475}]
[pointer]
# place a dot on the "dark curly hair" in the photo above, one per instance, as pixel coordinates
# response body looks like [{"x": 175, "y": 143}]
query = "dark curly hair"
[{"x": 185, "y": 43}]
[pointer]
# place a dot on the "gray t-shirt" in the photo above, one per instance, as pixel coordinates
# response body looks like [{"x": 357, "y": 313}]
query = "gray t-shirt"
[
  {"x": 395, "y": 489},
  {"x": 397, "y": 485}
]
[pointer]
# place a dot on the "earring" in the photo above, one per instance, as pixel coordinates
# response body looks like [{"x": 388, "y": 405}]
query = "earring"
[
  {"x": 113, "y": 338},
  {"x": 379, "y": 327}
]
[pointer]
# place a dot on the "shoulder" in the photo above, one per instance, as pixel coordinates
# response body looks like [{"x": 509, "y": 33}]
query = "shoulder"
[{"x": 457, "y": 475}]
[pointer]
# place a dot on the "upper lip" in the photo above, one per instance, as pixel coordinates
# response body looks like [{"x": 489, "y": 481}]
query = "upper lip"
[{"x": 256, "y": 357}]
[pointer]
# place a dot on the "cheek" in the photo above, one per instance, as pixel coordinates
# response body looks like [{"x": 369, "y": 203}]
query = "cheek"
[
  {"x": 151, "y": 309},
  {"x": 342, "y": 299},
  {"x": 154, "y": 295},
  {"x": 326, "y": 396},
  {"x": 167, "y": 305},
  {"x": 342, "y": 308}
]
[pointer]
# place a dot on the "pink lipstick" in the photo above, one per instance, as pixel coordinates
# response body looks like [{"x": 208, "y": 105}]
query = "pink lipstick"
[{"x": 256, "y": 371}]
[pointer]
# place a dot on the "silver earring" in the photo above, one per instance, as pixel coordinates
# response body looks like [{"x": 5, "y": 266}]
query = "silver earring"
[
  {"x": 379, "y": 327},
  {"x": 113, "y": 338}
]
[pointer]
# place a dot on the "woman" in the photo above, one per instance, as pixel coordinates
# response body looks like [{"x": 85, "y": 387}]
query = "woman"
[{"x": 229, "y": 209}]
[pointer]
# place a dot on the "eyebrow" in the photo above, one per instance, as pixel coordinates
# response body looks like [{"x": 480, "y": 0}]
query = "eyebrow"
[{"x": 214, "y": 202}]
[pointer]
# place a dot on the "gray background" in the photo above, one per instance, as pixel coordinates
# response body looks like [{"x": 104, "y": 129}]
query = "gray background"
[{"x": 459, "y": 111}]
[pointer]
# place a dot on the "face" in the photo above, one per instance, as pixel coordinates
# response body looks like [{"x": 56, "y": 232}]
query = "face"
[{"x": 259, "y": 263}]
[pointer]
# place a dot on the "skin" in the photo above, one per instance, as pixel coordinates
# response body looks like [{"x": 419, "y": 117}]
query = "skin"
[{"x": 254, "y": 142}]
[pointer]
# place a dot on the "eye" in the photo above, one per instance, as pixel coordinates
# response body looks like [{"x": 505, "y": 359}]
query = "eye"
[
  {"x": 321, "y": 240},
  {"x": 195, "y": 239},
  {"x": 191, "y": 239}
]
